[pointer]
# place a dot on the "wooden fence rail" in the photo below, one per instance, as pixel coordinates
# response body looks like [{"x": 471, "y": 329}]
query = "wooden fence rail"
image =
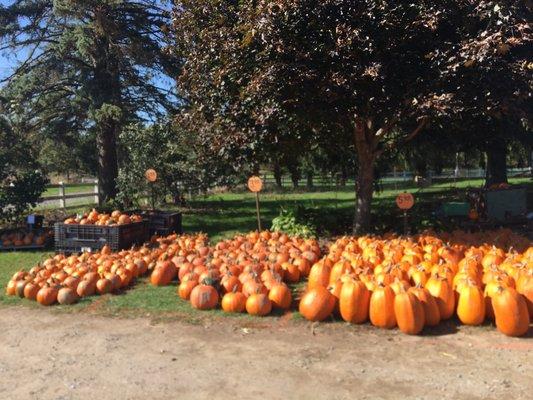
[{"x": 62, "y": 197}]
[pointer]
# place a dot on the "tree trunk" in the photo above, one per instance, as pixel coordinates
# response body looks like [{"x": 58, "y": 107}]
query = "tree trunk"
[
  {"x": 363, "y": 200},
  {"x": 295, "y": 180},
  {"x": 277, "y": 174},
  {"x": 106, "y": 108},
  {"x": 310, "y": 180},
  {"x": 365, "y": 144},
  {"x": 344, "y": 175},
  {"x": 107, "y": 163},
  {"x": 295, "y": 175},
  {"x": 496, "y": 162}
]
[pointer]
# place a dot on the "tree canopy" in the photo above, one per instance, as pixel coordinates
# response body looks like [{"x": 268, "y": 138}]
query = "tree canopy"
[
  {"x": 376, "y": 73},
  {"x": 90, "y": 67}
]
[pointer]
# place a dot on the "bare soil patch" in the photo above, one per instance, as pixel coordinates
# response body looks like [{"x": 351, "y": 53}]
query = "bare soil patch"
[{"x": 50, "y": 355}]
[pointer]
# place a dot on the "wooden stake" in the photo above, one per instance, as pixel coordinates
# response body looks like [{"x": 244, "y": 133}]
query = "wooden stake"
[{"x": 257, "y": 208}]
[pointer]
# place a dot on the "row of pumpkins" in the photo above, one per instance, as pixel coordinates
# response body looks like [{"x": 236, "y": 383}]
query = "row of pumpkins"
[
  {"x": 94, "y": 217},
  {"x": 409, "y": 282},
  {"x": 22, "y": 238},
  {"x": 65, "y": 279}
]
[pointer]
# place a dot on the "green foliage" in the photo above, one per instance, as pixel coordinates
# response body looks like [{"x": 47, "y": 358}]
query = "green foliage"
[
  {"x": 149, "y": 147},
  {"x": 19, "y": 192},
  {"x": 21, "y": 184},
  {"x": 295, "y": 221}
]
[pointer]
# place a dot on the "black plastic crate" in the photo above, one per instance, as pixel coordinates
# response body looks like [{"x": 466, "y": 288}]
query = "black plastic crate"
[
  {"x": 74, "y": 238},
  {"x": 163, "y": 222}
]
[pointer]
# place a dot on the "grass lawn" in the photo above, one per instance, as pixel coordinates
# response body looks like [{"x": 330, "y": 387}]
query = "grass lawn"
[{"x": 222, "y": 215}]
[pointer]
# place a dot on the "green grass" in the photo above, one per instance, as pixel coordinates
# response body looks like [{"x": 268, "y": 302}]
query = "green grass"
[{"x": 222, "y": 215}]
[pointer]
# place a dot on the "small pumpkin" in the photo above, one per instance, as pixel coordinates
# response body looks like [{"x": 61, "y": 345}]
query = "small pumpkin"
[
  {"x": 185, "y": 288},
  {"x": 258, "y": 304},
  {"x": 204, "y": 297},
  {"x": 233, "y": 302},
  {"x": 47, "y": 295}
]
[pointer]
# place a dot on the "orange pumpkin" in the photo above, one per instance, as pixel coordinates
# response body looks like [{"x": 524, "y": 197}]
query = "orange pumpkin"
[
  {"x": 233, "y": 302},
  {"x": 317, "y": 304},
  {"x": 258, "y": 304},
  {"x": 354, "y": 301},
  {"x": 510, "y": 310},
  {"x": 409, "y": 313},
  {"x": 204, "y": 297},
  {"x": 381, "y": 310}
]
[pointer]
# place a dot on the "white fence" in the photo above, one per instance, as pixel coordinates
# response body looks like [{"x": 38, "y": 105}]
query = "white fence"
[{"x": 61, "y": 198}]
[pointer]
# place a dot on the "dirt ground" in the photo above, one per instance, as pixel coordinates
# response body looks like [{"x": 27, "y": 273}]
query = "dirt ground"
[{"x": 50, "y": 355}]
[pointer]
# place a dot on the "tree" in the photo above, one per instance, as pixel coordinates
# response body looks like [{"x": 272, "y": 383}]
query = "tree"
[
  {"x": 377, "y": 71},
  {"x": 91, "y": 66},
  {"x": 21, "y": 183},
  {"x": 175, "y": 156}
]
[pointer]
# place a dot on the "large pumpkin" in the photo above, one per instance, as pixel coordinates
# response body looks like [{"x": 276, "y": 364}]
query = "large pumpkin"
[
  {"x": 354, "y": 301},
  {"x": 66, "y": 296},
  {"x": 317, "y": 304},
  {"x": 440, "y": 288},
  {"x": 47, "y": 295},
  {"x": 381, "y": 310},
  {"x": 471, "y": 304},
  {"x": 319, "y": 275},
  {"x": 409, "y": 313},
  {"x": 431, "y": 309},
  {"x": 510, "y": 311}
]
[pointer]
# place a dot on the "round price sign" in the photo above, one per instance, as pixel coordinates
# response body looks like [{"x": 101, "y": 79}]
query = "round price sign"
[
  {"x": 405, "y": 201},
  {"x": 255, "y": 184},
  {"x": 150, "y": 175}
]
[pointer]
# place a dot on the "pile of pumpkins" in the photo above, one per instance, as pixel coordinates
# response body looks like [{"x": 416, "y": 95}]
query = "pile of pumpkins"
[
  {"x": 247, "y": 273},
  {"x": 405, "y": 282},
  {"x": 21, "y": 238},
  {"x": 93, "y": 217},
  {"x": 65, "y": 279},
  {"x": 418, "y": 281}
]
